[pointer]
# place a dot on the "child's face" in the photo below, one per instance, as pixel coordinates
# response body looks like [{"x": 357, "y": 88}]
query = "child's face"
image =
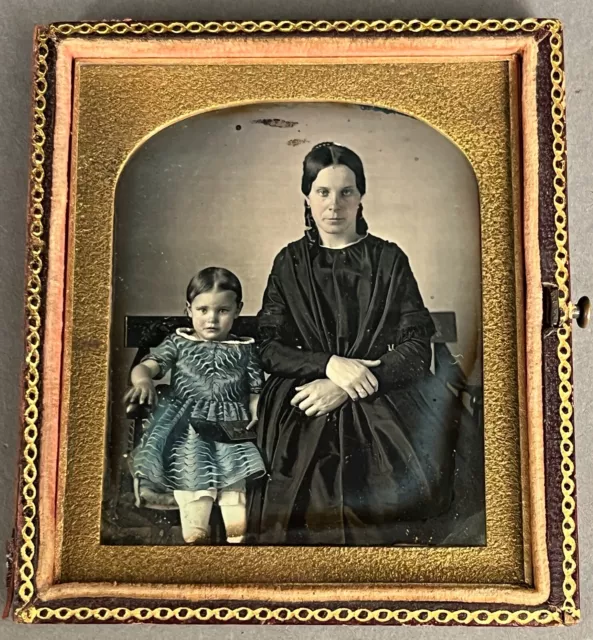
[{"x": 213, "y": 313}]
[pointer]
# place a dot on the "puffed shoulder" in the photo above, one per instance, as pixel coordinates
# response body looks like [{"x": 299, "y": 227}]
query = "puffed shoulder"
[
  {"x": 385, "y": 244},
  {"x": 289, "y": 254}
]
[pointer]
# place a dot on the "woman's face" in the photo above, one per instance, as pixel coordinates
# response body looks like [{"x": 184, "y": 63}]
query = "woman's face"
[{"x": 334, "y": 200}]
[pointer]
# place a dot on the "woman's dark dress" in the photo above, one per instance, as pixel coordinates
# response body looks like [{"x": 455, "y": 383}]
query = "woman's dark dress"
[{"x": 352, "y": 476}]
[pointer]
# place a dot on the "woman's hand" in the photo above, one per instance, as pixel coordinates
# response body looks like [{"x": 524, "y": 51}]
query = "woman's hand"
[
  {"x": 143, "y": 392},
  {"x": 319, "y": 397},
  {"x": 353, "y": 376}
]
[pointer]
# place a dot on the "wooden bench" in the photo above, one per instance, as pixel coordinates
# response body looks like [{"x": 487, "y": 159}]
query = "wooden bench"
[{"x": 144, "y": 332}]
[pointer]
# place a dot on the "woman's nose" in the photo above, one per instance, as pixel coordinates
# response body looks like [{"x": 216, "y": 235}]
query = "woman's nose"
[{"x": 333, "y": 200}]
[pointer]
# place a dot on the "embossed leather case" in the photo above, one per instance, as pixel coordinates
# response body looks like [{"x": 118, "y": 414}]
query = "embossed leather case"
[{"x": 36, "y": 592}]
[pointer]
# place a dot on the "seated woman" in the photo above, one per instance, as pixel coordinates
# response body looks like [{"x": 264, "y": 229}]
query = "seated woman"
[{"x": 358, "y": 436}]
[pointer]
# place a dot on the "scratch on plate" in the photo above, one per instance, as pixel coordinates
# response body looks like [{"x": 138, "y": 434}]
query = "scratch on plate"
[
  {"x": 276, "y": 122},
  {"x": 369, "y": 107},
  {"x": 296, "y": 141}
]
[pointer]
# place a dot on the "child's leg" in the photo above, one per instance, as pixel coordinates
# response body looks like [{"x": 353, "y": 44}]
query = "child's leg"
[
  {"x": 194, "y": 509},
  {"x": 232, "y": 502}
]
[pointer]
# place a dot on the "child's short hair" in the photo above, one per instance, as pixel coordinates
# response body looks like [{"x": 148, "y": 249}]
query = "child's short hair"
[{"x": 214, "y": 278}]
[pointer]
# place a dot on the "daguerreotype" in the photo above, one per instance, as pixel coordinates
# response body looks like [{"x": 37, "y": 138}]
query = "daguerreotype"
[
  {"x": 361, "y": 421},
  {"x": 298, "y": 349}
]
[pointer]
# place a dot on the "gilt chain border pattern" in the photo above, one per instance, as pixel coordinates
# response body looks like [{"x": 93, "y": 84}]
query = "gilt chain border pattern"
[
  {"x": 30, "y": 613},
  {"x": 564, "y": 330},
  {"x": 35, "y": 256}
]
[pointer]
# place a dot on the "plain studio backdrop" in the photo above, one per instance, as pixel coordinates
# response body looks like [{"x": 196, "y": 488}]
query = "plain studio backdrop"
[{"x": 223, "y": 189}]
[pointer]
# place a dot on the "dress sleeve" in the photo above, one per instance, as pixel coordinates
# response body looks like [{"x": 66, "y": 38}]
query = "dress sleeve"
[
  {"x": 255, "y": 373},
  {"x": 279, "y": 350},
  {"x": 408, "y": 358},
  {"x": 165, "y": 355}
]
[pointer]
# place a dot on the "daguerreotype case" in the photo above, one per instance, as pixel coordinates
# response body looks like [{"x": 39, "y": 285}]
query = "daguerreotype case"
[{"x": 298, "y": 326}]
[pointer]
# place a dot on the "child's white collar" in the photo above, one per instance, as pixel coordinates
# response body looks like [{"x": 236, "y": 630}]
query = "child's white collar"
[{"x": 189, "y": 334}]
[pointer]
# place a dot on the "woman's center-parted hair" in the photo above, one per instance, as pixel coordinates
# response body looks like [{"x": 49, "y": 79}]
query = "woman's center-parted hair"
[
  {"x": 328, "y": 154},
  {"x": 212, "y": 278}
]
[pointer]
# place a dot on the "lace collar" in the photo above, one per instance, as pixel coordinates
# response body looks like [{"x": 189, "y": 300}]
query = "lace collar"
[{"x": 189, "y": 334}]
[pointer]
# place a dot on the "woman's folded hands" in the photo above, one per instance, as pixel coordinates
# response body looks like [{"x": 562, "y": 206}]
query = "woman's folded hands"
[
  {"x": 346, "y": 378},
  {"x": 319, "y": 397},
  {"x": 354, "y": 376}
]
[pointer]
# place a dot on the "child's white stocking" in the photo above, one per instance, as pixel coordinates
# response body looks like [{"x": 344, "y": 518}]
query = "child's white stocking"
[
  {"x": 234, "y": 514},
  {"x": 194, "y": 510}
]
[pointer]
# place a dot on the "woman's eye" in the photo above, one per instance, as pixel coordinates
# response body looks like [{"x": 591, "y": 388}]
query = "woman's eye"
[
  {"x": 323, "y": 193},
  {"x": 347, "y": 192}
]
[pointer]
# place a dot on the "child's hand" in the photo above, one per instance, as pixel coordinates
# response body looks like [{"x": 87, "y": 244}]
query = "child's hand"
[
  {"x": 253, "y": 401},
  {"x": 142, "y": 392}
]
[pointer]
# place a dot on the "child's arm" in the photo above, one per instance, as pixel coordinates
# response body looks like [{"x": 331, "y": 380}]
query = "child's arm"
[
  {"x": 143, "y": 390},
  {"x": 255, "y": 377},
  {"x": 253, "y": 400},
  {"x": 160, "y": 360}
]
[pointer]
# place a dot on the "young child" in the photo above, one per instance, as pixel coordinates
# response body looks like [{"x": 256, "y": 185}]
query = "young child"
[{"x": 197, "y": 442}]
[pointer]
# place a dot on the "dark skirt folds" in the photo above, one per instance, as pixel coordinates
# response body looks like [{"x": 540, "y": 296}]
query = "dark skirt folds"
[{"x": 359, "y": 474}]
